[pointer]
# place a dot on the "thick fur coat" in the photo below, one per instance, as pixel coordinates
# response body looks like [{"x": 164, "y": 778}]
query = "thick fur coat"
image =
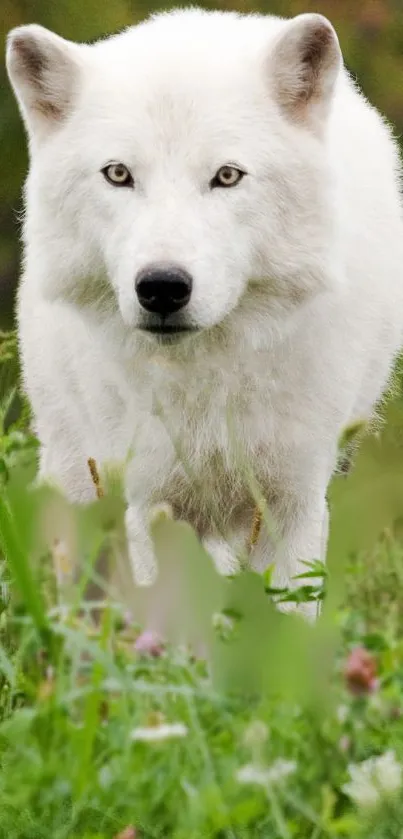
[{"x": 296, "y": 307}]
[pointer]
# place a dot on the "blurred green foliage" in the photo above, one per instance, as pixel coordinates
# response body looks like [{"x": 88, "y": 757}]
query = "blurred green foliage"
[
  {"x": 234, "y": 721},
  {"x": 371, "y": 34}
]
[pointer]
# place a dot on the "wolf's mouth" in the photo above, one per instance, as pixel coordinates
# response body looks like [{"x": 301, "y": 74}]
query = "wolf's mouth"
[{"x": 163, "y": 329}]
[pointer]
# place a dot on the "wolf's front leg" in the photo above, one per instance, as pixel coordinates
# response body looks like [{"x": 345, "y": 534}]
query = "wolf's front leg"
[
  {"x": 153, "y": 462},
  {"x": 301, "y": 536},
  {"x": 142, "y": 561}
]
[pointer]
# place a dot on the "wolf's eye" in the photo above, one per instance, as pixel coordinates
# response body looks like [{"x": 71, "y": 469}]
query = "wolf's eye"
[
  {"x": 227, "y": 176},
  {"x": 117, "y": 174}
]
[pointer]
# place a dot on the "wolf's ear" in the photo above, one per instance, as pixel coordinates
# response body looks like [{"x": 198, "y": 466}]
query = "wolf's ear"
[
  {"x": 305, "y": 63},
  {"x": 43, "y": 69}
]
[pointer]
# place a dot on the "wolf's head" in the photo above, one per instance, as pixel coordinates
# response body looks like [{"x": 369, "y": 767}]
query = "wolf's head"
[{"x": 186, "y": 161}]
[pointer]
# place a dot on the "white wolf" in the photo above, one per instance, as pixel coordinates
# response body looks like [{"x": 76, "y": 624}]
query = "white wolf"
[{"x": 213, "y": 269}]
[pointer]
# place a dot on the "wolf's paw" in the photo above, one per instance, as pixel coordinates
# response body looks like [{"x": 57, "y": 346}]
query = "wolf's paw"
[{"x": 310, "y": 610}]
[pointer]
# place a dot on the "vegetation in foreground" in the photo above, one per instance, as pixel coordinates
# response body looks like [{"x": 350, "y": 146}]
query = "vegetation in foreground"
[{"x": 235, "y": 721}]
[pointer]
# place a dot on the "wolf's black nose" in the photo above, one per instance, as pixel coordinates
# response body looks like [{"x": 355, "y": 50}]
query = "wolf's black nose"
[{"x": 163, "y": 288}]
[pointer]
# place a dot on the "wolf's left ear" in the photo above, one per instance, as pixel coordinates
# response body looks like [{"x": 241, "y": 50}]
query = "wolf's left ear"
[
  {"x": 43, "y": 69},
  {"x": 304, "y": 66}
]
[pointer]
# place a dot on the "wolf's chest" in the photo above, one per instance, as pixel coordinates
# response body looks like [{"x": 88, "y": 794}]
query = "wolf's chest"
[{"x": 212, "y": 489}]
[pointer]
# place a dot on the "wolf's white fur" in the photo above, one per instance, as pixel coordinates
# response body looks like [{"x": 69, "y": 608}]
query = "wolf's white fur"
[{"x": 297, "y": 271}]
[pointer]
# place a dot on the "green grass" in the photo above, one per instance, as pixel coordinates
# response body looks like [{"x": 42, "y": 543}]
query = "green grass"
[{"x": 246, "y": 685}]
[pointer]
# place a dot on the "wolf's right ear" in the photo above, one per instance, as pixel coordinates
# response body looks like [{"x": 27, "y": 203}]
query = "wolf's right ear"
[
  {"x": 43, "y": 69},
  {"x": 305, "y": 63}
]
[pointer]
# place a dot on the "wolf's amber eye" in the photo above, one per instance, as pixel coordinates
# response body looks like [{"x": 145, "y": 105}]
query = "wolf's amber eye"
[
  {"x": 117, "y": 174},
  {"x": 227, "y": 176}
]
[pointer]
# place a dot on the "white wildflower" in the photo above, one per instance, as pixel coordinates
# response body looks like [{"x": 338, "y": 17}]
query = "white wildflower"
[
  {"x": 251, "y": 773},
  {"x": 389, "y": 772},
  {"x": 264, "y": 776},
  {"x": 374, "y": 779},
  {"x": 281, "y": 769},
  {"x": 165, "y": 731}
]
